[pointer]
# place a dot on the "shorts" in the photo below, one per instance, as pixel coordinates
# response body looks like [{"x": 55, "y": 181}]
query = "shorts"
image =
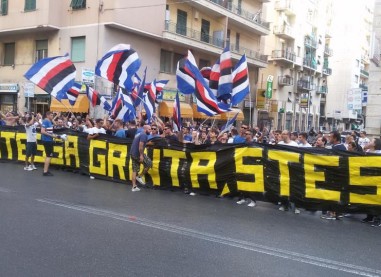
[
  {"x": 31, "y": 149},
  {"x": 48, "y": 145},
  {"x": 147, "y": 163}
]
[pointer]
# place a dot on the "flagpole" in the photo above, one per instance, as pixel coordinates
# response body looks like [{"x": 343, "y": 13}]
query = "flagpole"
[{"x": 204, "y": 120}]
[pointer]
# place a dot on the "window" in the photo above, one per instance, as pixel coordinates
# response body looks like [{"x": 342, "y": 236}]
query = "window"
[
  {"x": 175, "y": 59},
  {"x": 9, "y": 53},
  {"x": 203, "y": 63},
  {"x": 41, "y": 49},
  {"x": 78, "y": 4},
  {"x": 237, "y": 39},
  {"x": 165, "y": 61},
  {"x": 205, "y": 29},
  {"x": 30, "y": 5},
  {"x": 356, "y": 79},
  {"x": 78, "y": 49},
  {"x": 4, "y": 7},
  {"x": 181, "y": 27}
]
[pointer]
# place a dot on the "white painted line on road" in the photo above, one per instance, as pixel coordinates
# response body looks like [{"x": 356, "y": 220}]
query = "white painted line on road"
[
  {"x": 4, "y": 190},
  {"x": 246, "y": 245}
]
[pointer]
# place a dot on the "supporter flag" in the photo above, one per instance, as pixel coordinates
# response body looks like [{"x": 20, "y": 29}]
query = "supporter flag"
[
  {"x": 176, "y": 114},
  {"x": 214, "y": 77},
  {"x": 54, "y": 75},
  {"x": 205, "y": 100},
  {"x": 185, "y": 83},
  {"x": 149, "y": 100},
  {"x": 241, "y": 85},
  {"x": 123, "y": 107},
  {"x": 225, "y": 82},
  {"x": 229, "y": 124},
  {"x": 137, "y": 97},
  {"x": 119, "y": 65},
  {"x": 205, "y": 72},
  {"x": 159, "y": 89},
  {"x": 73, "y": 92},
  {"x": 95, "y": 99}
]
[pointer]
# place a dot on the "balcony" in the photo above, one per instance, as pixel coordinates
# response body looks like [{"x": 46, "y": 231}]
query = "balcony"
[
  {"x": 190, "y": 38},
  {"x": 286, "y": 6},
  {"x": 328, "y": 51},
  {"x": 310, "y": 41},
  {"x": 323, "y": 98},
  {"x": 364, "y": 73},
  {"x": 283, "y": 55},
  {"x": 305, "y": 85},
  {"x": 243, "y": 19},
  {"x": 365, "y": 59},
  {"x": 322, "y": 90},
  {"x": 327, "y": 71},
  {"x": 309, "y": 63},
  {"x": 284, "y": 31},
  {"x": 364, "y": 87},
  {"x": 285, "y": 81}
]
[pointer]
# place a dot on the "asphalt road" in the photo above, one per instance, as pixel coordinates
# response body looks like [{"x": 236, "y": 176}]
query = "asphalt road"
[{"x": 70, "y": 225}]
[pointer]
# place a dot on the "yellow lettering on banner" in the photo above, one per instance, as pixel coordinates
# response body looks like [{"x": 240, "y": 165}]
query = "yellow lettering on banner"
[
  {"x": 113, "y": 160},
  {"x": 312, "y": 176},
  {"x": 154, "y": 171},
  {"x": 176, "y": 156},
  {"x": 355, "y": 179},
  {"x": 72, "y": 151},
  {"x": 40, "y": 156},
  {"x": 203, "y": 164},
  {"x": 58, "y": 149},
  {"x": 21, "y": 146},
  {"x": 255, "y": 170},
  {"x": 101, "y": 170},
  {"x": 284, "y": 158},
  {"x": 8, "y": 136}
]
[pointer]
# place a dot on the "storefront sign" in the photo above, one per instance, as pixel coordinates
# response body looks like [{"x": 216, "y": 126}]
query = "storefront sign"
[
  {"x": 28, "y": 89},
  {"x": 88, "y": 76},
  {"x": 9, "y": 88},
  {"x": 171, "y": 95}
]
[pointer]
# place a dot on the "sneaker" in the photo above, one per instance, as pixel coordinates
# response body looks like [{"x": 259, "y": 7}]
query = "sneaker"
[
  {"x": 47, "y": 174},
  {"x": 27, "y": 168},
  {"x": 140, "y": 180},
  {"x": 331, "y": 217},
  {"x": 252, "y": 204},
  {"x": 323, "y": 216},
  {"x": 135, "y": 189},
  {"x": 377, "y": 223},
  {"x": 240, "y": 202},
  {"x": 282, "y": 209},
  {"x": 33, "y": 167},
  {"x": 192, "y": 194},
  {"x": 297, "y": 211}
]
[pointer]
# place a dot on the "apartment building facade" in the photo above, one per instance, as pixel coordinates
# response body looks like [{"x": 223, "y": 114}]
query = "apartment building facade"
[
  {"x": 161, "y": 33},
  {"x": 348, "y": 85},
  {"x": 299, "y": 61}
]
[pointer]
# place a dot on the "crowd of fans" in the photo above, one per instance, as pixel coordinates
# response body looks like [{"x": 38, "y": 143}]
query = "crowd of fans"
[{"x": 199, "y": 133}]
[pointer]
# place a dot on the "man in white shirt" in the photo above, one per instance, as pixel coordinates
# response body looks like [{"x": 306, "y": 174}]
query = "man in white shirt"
[
  {"x": 31, "y": 141},
  {"x": 96, "y": 130},
  {"x": 303, "y": 140},
  {"x": 286, "y": 140},
  {"x": 363, "y": 140}
]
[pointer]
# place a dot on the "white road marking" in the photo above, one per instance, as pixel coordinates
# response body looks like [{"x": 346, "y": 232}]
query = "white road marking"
[
  {"x": 246, "y": 245},
  {"x": 4, "y": 190}
]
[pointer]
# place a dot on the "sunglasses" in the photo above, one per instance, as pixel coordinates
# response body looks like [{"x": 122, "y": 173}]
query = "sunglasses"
[{"x": 153, "y": 129}]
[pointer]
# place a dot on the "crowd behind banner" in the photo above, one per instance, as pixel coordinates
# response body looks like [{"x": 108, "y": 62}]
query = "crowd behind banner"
[{"x": 313, "y": 178}]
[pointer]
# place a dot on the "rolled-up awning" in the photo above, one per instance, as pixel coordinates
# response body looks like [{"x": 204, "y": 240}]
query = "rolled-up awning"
[
  {"x": 80, "y": 106},
  {"x": 166, "y": 109},
  {"x": 224, "y": 116}
]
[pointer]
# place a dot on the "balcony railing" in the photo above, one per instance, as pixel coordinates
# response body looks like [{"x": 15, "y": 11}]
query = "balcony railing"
[
  {"x": 283, "y": 54},
  {"x": 182, "y": 30},
  {"x": 249, "y": 53},
  {"x": 322, "y": 90},
  {"x": 285, "y": 81},
  {"x": 363, "y": 87},
  {"x": 285, "y": 5},
  {"x": 364, "y": 73},
  {"x": 327, "y": 51},
  {"x": 284, "y": 31},
  {"x": 309, "y": 63},
  {"x": 253, "y": 17},
  {"x": 305, "y": 85},
  {"x": 310, "y": 41},
  {"x": 327, "y": 71}
]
